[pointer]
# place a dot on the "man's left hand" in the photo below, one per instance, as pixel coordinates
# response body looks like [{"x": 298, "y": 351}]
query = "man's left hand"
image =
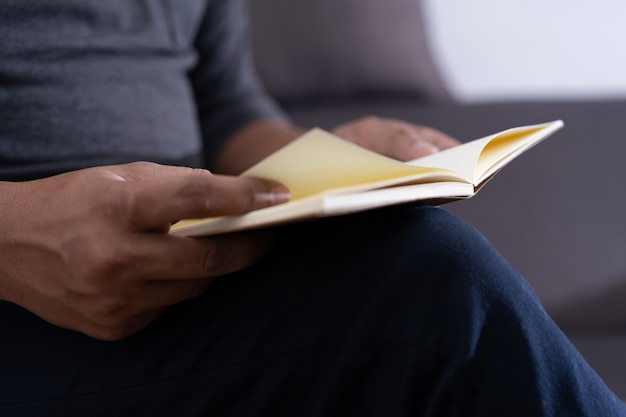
[{"x": 395, "y": 138}]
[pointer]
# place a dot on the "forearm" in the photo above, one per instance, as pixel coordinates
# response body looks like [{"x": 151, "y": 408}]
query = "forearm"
[
  {"x": 4, "y": 235},
  {"x": 16, "y": 203},
  {"x": 253, "y": 143}
]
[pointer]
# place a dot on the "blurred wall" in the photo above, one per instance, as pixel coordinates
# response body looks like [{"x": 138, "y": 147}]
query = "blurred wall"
[{"x": 505, "y": 49}]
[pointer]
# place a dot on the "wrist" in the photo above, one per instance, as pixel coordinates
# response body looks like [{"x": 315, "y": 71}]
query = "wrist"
[{"x": 252, "y": 143}]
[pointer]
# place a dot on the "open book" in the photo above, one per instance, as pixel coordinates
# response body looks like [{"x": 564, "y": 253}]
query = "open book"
[{"x": 328, "y": 176}]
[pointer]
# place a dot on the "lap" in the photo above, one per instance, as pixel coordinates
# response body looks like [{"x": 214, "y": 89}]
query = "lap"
[{"x": 363, "y": 310}]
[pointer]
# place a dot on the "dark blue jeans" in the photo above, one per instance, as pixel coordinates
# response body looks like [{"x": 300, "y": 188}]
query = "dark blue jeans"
[{"x": 396, "y": 312}]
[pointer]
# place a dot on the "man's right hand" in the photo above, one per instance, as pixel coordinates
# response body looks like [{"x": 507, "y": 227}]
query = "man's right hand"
[{"x": 90, "y": 251}]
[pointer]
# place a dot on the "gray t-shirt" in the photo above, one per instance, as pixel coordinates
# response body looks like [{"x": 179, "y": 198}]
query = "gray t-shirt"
[{"x": 92, "y": 82}]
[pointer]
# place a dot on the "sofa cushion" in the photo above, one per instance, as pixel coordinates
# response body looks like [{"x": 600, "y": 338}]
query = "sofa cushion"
[{"x": 330, "y": 48}]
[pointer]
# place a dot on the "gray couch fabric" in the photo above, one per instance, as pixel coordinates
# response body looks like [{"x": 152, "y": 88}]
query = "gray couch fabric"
[{"x": 325, "y": 48}]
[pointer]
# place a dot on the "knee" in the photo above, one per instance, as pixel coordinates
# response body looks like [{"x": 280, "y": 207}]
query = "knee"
[
  {"x": 450, "y": 276},
  {"x": 437, "y": 237},
  {"x": 446, "y": 257}
]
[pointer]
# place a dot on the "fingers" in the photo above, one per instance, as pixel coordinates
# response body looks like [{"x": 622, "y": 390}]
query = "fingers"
[
  {"x": 411, "y": 141},
  {"x": 112, "y": 329},
  {"x": 176, "y": 269},
  {"x": 161, "y": 271},
  {"x": 395, "y": 138},
  {"x": 165, "y": 257},
  {"x": 159, "y": 202}
]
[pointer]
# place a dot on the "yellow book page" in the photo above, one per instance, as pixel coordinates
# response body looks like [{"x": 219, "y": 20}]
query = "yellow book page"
[
  {"x": 461, "y": 158},
  {"x": 479, "y": 159},
  {"x": 508, "y": 145},
  {"x": 319, "y": 161}
]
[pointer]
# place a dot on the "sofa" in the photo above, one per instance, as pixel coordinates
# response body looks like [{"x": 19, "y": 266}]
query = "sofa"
[{"x": 557, "y": 213}]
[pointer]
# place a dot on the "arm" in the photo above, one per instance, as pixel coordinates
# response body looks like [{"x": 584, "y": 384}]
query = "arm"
[
  {"x": 394, "y": 138},
  {"x": 241, "y": 124}
]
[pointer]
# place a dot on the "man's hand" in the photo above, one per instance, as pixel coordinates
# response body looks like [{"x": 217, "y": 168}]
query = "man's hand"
[
  {"x": 391, "y": 137},
  {"x": 395, "y": 138},
  {"x": 89, "y": 250}
]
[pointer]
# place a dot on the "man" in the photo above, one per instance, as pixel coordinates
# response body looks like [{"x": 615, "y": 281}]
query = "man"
[{"x": 395, "y": 312}]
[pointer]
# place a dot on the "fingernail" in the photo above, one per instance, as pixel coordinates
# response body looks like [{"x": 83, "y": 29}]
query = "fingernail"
[
  {"x": 277, "y": 195},
  {"x": 425, "y": 147}
]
